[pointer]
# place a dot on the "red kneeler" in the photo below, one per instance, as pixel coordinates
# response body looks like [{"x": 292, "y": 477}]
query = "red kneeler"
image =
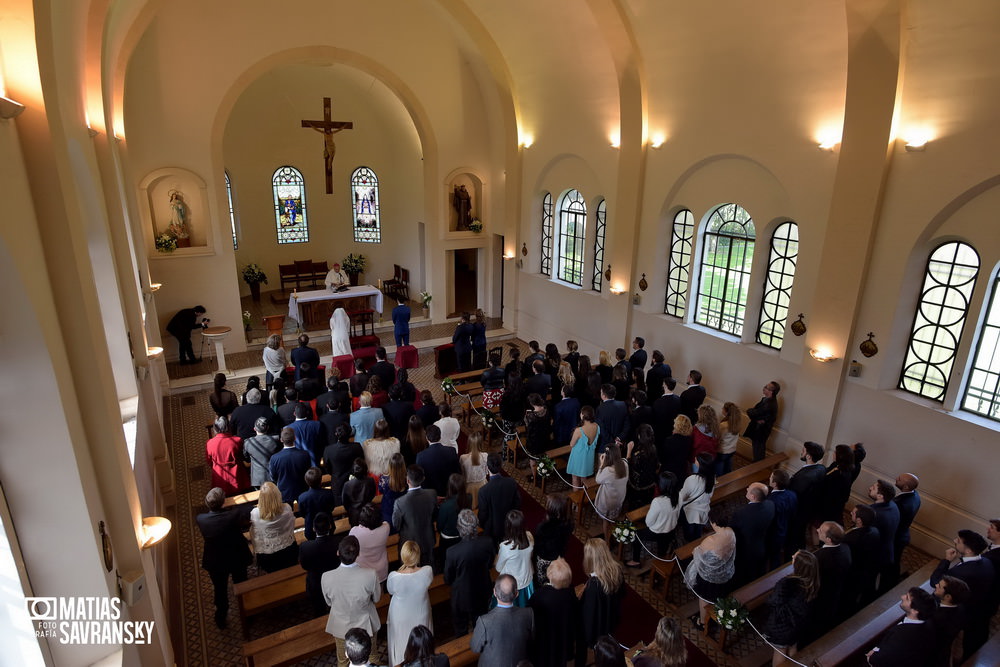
[
  {"x": 407, "y": 357},
  {"x": 345, "y": 363}
]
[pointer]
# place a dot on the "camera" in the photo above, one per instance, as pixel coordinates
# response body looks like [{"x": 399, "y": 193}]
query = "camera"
[{"x": 204, "y": 322}]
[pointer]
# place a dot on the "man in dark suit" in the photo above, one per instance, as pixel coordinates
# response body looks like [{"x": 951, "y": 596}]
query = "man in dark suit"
[
  {"x": 502, "y": 637},
  {"x": 908, "y": 502},
  {"x": 612, "y": 417},
  {"x": 834, "y": 559},
  {"x": 887, "y": 521},
  {"x": 638, "y": 358},
  {"x": 912, "y": 640},
  {"x": 398, "y": 412},
  {"x": 245, "y": 417},
  {"x": 413, "y": 514},
  {"x": 286, "y": 411},
  {"x": 751, "y": 524},
  {"x": 180, "y": 327},
  {"x": 359, "y": 381},
  {"x": 310, "y": 383},
  {"x": 865, "y": 544},
  {"x": 334, "y": 416},
  {"x": 288, "y": 467},
  {"x": 335, "y": 389},
  {"x": 338, "y": 459},
  {"x": 315, "y": 499},
  {"x": 310, "y": 436},
  {"x": 964, "y": 561},
  {"x": 620, "y": 360},
  {"x": 462, "y": 340},
  {"x": 666, "y": 407},
  {"x": 807, "y": 483},
  {"x": 786, "y": 504},
  {"x": 304, "y": 354},
  {"x": 467, "y": 570},
  {"x": 318, "y": 556},
  {"x": 438, "y": 462},
  {"x": 657, "y": 373},
  {"x": 762, "y": 417},
  {"x": 382, "y": 369},
  {"x": 497, "y": 497},
  {"x": 693, "y": 396},
  {"x": 226, "y": 552},
  {"x": 951, "y": 594},
  {"x": 401, "y": 323},
  {"x": 539, "y": 382}
]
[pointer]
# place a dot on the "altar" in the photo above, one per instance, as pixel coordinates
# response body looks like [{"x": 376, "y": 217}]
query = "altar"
[{"x": 312, "y": 310}]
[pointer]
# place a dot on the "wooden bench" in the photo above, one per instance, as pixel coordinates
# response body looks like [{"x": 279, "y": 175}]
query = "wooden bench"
[
  {"x": 302, "y": 272},
  {"x": 988, "y": 654},
  {"x": 579, "y": 497},
  {"x": 459, "y": 651},
  {"x": 738, "y": 480},
  {"x": 751, "y": 596},
  {"x": 665, "y": 568},
  {"x": 303, "y": 641},
  {"x": 560, "y": 457},
  {"x": 254, "y": 496},
  {"x": 513, "y": 446},
  {"x": 861, "y": 631},
  {"x": 268, "y": 591}
]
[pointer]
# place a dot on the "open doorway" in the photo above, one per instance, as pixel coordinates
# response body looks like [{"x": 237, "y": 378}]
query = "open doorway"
[{"x": 465, "y": 263}]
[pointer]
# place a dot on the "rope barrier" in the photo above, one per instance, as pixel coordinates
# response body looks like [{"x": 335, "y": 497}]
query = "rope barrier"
[{"x": 593, "y": 505}]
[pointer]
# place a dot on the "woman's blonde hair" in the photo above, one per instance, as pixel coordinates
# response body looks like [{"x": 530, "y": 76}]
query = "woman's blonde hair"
[
  {"x": 682, "y": 425},
  {"x": 597, "y": 558},
  {"x": 274, "y": 341},
  {"x": 409, "y": 553},
  {"x": 707, "y": 416},
  {"x": 366, "y": 399},
  {"x": 559, "y": 573},
  {"x": 604, "y": 358},
  {"x": 733, "y": 417},
  {"x": 269, "y": 504},
  {"x": 475, "y": 447}
]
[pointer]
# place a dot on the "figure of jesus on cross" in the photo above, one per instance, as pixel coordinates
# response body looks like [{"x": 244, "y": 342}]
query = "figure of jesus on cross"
[{"x": 328, "y": 127}]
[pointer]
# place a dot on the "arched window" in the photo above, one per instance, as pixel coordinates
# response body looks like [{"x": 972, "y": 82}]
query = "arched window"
[
  {"x": 364, "y": 191},
  {"x": 602, "y": 219},
  {"x": 546, "y": 267},
  {"x": 290, "y": 205},
  {"x": 680, "y": 259},
  {"x": 572, "y": 230},
  {"x": 939, "y": 320},
  {"x": 725, "y": 269},
  {"x": 232, "y": 210},
  {"x": 982, "y": 394},
  {"x": 778, "y": 285}
]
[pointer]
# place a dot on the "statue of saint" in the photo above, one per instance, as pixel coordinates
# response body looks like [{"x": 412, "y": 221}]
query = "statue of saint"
[
  {"x": 463, "y": 206},
  {"x": 178, "y": 215}
]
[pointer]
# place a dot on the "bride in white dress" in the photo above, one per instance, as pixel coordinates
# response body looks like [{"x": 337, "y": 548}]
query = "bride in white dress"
[{"x": 340, "y": 333}]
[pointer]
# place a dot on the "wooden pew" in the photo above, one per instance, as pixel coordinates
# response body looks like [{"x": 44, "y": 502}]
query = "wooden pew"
[
  {"x": 988, "y": 654},
  {"x": 253, "y": 496},
  {"x": 459, "y": 652},
  {"x": 738, "y": 480},
  {"x": 751, "y": 596},
  {"x": 664, "y": 569},
  {"x": 861, "y": 631},
  {"x": 559, "y": 455},
  {"x": 513, "y": 448},
  {"x": 309, "y": 639},
  {"x": 579, "y": 499}
]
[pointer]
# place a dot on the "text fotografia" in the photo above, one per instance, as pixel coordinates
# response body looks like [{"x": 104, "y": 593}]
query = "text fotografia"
[{"x": 86, "y": 620}]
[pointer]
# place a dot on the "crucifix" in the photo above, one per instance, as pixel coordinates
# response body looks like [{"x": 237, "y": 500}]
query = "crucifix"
[{"x": 328, "y": 127}]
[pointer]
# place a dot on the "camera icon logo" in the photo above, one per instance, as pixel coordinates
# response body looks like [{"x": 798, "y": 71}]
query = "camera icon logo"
[{"x": 42, "y": 609}]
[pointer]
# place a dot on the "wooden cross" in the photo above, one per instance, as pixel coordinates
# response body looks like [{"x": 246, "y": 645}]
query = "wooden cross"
[{"x": 328, "y": 127}]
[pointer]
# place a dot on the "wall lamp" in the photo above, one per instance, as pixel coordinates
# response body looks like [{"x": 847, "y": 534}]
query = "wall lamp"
[
  {"x": 154, "y": 530},
  {"x": 9, "y": 108},
  {"x": 617, "y": 289},
  {"x": 822, "y": 355}
]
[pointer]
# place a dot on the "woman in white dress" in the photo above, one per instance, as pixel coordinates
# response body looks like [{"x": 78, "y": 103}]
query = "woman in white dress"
[
  {"x": 340, "y": 333},
  {"x": 379, "y": 448},
  {"x": 410, "y": 605},
  {"x": 612, "y": 476},
  {"x": 474, "y": 467},
  {"x": 514, "y": 557}
]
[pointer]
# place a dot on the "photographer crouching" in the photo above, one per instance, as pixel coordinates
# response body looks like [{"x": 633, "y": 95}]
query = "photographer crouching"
[{"x": 180, "y": 327}]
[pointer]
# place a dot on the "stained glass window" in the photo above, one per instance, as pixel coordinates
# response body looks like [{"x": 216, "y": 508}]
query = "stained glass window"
[
  {"x": 232, "y": 211},
  {"x": 290, "y": 205},
  {"x": 546, "y": 267},
  {"x": 982, "y": 395},
  {"x": 364, "y": 190},
  {"x": 725, "y": 269},
  {"x": 939, "y": 320},
  {"x": 778, "y": 285},
  {"x": 572, "y": 230},
  {"x": 678, "y": 266},
  {"x": 602, "y": 216}
]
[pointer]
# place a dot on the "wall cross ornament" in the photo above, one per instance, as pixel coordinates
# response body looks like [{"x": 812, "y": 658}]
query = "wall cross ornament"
[{"x": 328, "y": 127}]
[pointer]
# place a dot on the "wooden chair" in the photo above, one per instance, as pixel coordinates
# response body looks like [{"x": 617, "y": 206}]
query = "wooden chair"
[
  {"x": 403, "y": 288},
  {"x": 363, "y": 329},
  {"x": 389, "y": 286},
  {"x": 498, "y": 350},
  {"x": 275, "y": 324}
]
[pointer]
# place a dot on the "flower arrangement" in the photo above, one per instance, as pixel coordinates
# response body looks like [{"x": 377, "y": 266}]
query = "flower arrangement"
[
  {"x": 166, "y": 242},
  {"x": 448, "y": 386},
  {"x": 624, "y": 532},
  {"x": 354, "y": 263},
  {"x": 426, "y": 297},
  {"x": 489, "y": 421},
  {"x": 731, "y": 613},
  {"x": 253, "y": 274},
  {"x": 545, "y": 467},
  {"x": 476, "y": 225},
  {"x": 247, "y": 318}
]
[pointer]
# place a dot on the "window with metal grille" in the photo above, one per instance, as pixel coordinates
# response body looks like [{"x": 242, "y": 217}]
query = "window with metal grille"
[
  {"x": 982, "y": 393},
  {"x": 602, "y": 218},
  {"x": 232, "y": 210},
  {"x": 778, "y": 285},
  {"x": 546, "y": 267},
  {"x": 572, "y": 231},
  {"x": 678, "y": 272},
  {"x": 726, "y": 261}
]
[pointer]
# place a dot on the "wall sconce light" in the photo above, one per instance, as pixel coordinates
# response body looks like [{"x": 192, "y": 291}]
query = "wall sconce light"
[
  {"x": 915, "y": 147},
  {"x": 154, "y": 530},
  {"x": 915, "y": 139},
  {"x": 9, "y": 108},
  {"x": 153, "y": 352},
  {"x": 827, "y": 138},
  {"x": 657, "y": 140},
  {"x": 822, "y": 355},
  {"x": 617, "y": 289},
  {"x": 509, "y": 255},
  {"x": 616, "y": 139},
  {"x": 526, "y": 140},
  {"x": 153, "y": 287}
]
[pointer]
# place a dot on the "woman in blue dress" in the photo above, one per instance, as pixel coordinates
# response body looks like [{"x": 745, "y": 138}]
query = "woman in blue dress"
[{"x": 583, "y": 444}]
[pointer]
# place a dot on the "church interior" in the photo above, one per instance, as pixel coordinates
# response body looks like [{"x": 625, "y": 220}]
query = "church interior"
[{"x": 612, "y": 151}]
